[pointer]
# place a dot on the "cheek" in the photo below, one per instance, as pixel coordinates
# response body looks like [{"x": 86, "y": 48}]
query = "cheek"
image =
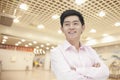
[
  {"x": 80, "y": 30},
  {"x": 64, "y": 30}
]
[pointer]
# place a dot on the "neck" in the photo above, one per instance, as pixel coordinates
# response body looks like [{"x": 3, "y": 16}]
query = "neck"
[{"x": 75, "y": 43}]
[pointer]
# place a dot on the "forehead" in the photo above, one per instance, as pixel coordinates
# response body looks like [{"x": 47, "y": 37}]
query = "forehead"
[{"x": 71, "y": 18}]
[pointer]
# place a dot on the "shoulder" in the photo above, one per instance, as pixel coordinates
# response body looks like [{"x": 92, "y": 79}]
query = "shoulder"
[
  {"x": 56, "y": 51},
  {"x": 91, "y": 50}
]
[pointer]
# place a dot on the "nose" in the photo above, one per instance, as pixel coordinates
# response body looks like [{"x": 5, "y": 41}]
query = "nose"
[{"x": 72, "y": 26}]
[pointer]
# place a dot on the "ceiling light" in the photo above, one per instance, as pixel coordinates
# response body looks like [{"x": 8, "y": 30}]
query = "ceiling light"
[
  {"x": 3, "y": 42},
  {"x": 52, "y": 47},
  {"x": 41, "y": 45},
  {"x": 55, "y": 16},
  {"x": 23, "y": 40},
  {"x": 41, "y": 26},
  {"x": 19, "y": 42},
  {"x": 35, "y": 42},
  {"x": 16, "y": 44},
  {"x": 59, "y": 31},
  {"x": 93, "y": 31},
  {"x": 105, "y": 35},
  {"x": 79, "y": 2},
  {"x": 47, "y": 44},
  {"x": 117, "y": 24},
  {"x": 47, "y": 48},
  {"x": 88, "y": 38},
  {"x": 101, "y": 14},
  {"x": 26, "y": 45},
  {"x": 24, "y": 6},
  {"x": 91, "y": 42},
  {"x": 30, "y": 44},
  {"x": 5, "y": 37},
  {"x": 108, "y": 39},
  {"x": 37, "y": 46},
  {"x": 15, "y": 20}
]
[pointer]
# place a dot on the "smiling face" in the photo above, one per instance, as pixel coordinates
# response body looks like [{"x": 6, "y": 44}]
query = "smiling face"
[{"x": 72, "y": 28}]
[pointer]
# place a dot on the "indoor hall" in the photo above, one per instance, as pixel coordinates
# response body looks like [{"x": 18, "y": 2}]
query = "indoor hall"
[{"x": 29, "y": 29}]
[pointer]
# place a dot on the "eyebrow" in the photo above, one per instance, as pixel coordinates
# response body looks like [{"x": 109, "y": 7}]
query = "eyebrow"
[{"x": 69, "y": 21}]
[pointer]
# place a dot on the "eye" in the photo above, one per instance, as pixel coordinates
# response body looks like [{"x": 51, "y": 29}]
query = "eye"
[
  {"x": 67, "y": 24},
  {"x": 76, "y": 23}
]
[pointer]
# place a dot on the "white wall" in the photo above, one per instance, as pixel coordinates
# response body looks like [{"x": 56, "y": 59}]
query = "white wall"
[
  {"x": 47, "y": 61},
  {"x": 16, "y": 60},
  {"x": 107, "y": 52}
]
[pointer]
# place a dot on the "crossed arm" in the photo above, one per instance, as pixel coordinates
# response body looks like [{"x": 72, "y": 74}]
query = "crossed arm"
[
  {"x": 63, "y": 71},
  {"x": 96, "y": 65}
]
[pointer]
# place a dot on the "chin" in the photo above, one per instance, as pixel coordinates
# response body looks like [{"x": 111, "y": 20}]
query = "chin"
[{"x": 72, "y": 38}]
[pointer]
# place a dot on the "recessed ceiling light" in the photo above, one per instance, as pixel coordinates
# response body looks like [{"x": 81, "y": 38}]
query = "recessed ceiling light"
[
  {"x": 105, "y": 35},
  {"x": 47, "y": 44},
  {"x": 108, "y": 39},
  {"x": 41, "y": 26},
  {"x": 88, "y": 38},
  {"x": 59, "y": 31},
  {"x": 30, "y": 44},
  {"x": 55, "y": 16},
  {"x": 19, "y": 42},
  {"x": 52, "y": 47},
  {"x": 16, "y": 44},
  {"x": 79, "y": 2},
  {"x": 24, "y": 6},
  {"x": 23, "y": 40},
  {"x": 26, "y": 45},
  {"x": 47, "y": 48},
  {"x": 37, "y": 46},
  {"x": 3, "y": 42},
  {"x": 15, "y": 20},
  {"x": 35, "y": 42},
  {"x": 41, "y": 45},
  {"x": 91, "y": 42},
  {"x": 93, "y": 31},
  {"x": 101, "y": 13},
  {"x": 117, "y": 24},
  {"x": 5, "y": 37}
]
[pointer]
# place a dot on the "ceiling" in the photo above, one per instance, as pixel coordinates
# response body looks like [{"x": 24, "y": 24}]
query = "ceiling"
[{"x": 41, "y": 12}]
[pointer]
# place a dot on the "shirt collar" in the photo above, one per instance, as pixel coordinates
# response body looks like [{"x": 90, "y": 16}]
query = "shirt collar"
[{"x": 67, "y": 45}]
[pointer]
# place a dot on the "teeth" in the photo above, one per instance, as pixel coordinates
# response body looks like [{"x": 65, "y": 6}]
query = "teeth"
[{"x": 72, "y": 32}]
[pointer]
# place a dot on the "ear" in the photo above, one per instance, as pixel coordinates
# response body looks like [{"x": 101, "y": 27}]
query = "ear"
[
  {"x": 62, "y": 29},
  {"x": 83, "y": 28}
]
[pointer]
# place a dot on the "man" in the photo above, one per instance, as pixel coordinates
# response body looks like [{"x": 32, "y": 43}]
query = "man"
[{"x": 72, "y": 60}]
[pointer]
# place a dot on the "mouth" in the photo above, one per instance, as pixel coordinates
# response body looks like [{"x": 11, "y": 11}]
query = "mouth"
[{"x": 72, "y": 32}]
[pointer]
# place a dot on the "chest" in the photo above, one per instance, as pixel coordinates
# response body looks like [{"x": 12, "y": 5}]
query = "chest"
[{"x": 79, "y": 59}]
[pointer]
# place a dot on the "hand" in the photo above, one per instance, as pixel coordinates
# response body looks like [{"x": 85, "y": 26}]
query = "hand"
[{"x": 96, "y": 65}]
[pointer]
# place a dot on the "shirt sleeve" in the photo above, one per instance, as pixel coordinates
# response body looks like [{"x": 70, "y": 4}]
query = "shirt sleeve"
[
  {"x": 100, "y": 73},
  {"x": 62, "y": 69}
]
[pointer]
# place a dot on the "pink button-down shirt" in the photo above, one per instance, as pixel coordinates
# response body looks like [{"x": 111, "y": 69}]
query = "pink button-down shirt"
[{"x": 66, "y": 56}]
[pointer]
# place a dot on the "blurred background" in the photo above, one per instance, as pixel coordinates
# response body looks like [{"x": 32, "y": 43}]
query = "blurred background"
[{"x": 29, "y": 29}]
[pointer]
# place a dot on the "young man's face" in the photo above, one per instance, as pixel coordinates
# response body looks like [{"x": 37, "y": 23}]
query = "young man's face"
[{"x": 72, "y": 27}]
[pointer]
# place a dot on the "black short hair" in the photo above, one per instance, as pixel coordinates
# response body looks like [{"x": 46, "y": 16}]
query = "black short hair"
[{"x": 70, "y": 13}]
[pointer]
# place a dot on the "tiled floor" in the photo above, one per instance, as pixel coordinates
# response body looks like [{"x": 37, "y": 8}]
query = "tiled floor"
[{"x": 36, "y": 74}]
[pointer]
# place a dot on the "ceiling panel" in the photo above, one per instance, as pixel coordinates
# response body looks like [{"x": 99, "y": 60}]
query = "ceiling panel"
[{"x": 41, "y": 12}]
